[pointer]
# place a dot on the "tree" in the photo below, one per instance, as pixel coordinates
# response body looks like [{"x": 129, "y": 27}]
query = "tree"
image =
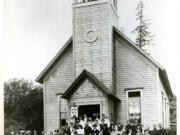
[
  {"x": 144, "y": 36},
  {"x": 23, "y": 105}
]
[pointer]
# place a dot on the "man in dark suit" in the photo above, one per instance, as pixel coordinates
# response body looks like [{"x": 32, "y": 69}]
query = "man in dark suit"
[
  {"x": 128, "y": 126},
  {"x": 87, "y": 129},
  {"x": 120, "y": 126},
  {"x": 161, "y": 130},
  {"x": 104, "y": 128},
  {"x": 95, "y": 131},
  {"x": 154, "y": 131}
]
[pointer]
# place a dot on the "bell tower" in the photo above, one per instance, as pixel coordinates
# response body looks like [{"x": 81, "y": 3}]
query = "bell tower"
[{"x": 93, "y": 21}]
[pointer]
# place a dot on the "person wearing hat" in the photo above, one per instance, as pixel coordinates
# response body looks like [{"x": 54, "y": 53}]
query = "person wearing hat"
[
  {"x": 104, "y": 128},
  {"x": 96, "y": 121},
  {"x": 139, "y": 131},
  {"x": 87, "y": 129},
  {"x": 95, "y": 131},
  {"x": 106, "y": 121}
]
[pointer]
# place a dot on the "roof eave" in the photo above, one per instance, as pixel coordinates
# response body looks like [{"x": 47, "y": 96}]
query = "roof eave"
[
  {"x": 79, "y": 78},
  {"x": 166, "y": 84},
  {"x": 162, "y": 70},
  {"x": 39, "y": 79},
  {"x": 85, "y": 74},
  {"x": 137, "y": 48}
]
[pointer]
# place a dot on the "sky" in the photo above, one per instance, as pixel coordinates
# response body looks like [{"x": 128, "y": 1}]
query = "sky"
[{"x": 35, "y": 30}]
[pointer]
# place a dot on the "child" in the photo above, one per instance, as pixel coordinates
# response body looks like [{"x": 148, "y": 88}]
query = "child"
[{"x": 80, "y": 130}]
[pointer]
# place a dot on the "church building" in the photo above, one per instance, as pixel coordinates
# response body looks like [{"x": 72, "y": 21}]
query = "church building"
[{"x": 100, "y": 70}]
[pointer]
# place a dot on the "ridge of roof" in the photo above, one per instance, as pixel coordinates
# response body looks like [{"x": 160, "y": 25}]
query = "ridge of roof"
[
  {"x": 67, "y": 45},
  {"x": 86, "y": 74},
  {"x": 137, "y": 48}
]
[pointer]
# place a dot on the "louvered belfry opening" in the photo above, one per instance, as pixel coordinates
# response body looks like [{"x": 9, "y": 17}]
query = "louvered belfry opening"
[
  {"x": 83, "y": 1},
  {"x": 114, "y": 2}
]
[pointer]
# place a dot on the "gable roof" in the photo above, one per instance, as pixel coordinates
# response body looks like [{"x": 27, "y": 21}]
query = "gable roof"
[
  {"x": 162, "y": 71},
  {"x": 87, "y": 75},
  {"x": 68, "y": 45},
  {"x": 58, "y": 56}
]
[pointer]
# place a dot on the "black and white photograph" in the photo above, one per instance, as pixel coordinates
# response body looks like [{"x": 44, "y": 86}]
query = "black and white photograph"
[{"x": 89, "y": 67}]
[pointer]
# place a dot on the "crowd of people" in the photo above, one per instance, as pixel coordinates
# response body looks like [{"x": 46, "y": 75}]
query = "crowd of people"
[
  {"x": 95, "y": 126},
  {"x": 24, "y": 132}
]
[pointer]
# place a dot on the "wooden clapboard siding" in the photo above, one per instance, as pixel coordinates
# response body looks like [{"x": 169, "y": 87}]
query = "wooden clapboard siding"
[
  {"x": 57, "y": 81},
  {"x": 96, "y": 57},
  {"x": 85, "y": 90},
  {"x": 83, "y": 96},
  {"x": 112, "y": 60},
  {"x": 134, "y": 70}
]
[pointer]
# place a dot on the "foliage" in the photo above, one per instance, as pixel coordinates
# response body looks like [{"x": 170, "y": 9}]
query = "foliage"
[
  {"x": 144, "y": 36},
  {"x": 12, "y": 125},
  {"x": 23, "y": 105}
]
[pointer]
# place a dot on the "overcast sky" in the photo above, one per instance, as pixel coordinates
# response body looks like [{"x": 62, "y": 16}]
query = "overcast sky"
[{"x": 35, "y": 30}]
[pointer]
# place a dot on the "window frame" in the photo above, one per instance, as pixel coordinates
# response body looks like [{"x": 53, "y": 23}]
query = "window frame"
[
  {"x": 59, "y": 110},
  {"x": 127, "y": 100}
]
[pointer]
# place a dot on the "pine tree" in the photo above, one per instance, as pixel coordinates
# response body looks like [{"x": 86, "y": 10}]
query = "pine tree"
[{"x": 144, "y": 36}]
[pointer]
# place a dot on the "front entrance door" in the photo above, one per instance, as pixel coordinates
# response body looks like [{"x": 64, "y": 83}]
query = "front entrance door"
[{"x": 89, "y": 110}]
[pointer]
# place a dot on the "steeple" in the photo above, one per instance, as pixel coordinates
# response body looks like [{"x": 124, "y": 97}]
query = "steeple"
[{"x": 92, "y": 38}]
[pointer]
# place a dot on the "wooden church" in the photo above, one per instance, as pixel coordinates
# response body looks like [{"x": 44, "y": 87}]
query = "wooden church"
[{"x": 100, "y": 70}]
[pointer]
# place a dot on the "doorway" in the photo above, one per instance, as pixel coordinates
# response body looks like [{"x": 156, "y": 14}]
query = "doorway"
[{"x": 89, "y": 110}]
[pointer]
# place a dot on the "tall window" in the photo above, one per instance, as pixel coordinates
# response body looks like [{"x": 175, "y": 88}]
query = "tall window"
[
  {"x": 134, "y": 106},
  {"x": 63, "y": 111},
  {"x": 162, "y": 108},
  {"x": 165, "y": 110}
]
